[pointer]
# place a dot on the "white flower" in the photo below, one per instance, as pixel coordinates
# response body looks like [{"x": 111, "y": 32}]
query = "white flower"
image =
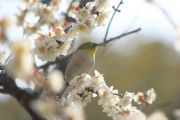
[
  {"x": 82, "y": 29},
  {"x": 101, "y": 18},
  {"x": 48, "y": 107},
  {"x": 45, "y": 48},
  {"x": 57, "y": 32},
  {"x": 98, "y": 80},
  {"x": 63, "y": 50},
  {"x": 82, "y": 80},
  {"x": 150, "y": 96},
  {"x": 2, "y": 56},
  {"x": 90, "y": 5},
  {"x": 80, "y": 95},
  {"x": 21, "y": 65},
  {"x": 133, "y": 114},
  {"x": 56, "y": 81},
  {"x": 102, "y": 5},
  {"x": 108, "y": 98},
  {"x": 139, "y": 98},
  {"x": 83, "y": 14},
  {"x": 176, "y": 113},
  {"x": 74, "y": 112},
  {"x": 157, "y": 115},
  {"x": 126, "y": 101}
]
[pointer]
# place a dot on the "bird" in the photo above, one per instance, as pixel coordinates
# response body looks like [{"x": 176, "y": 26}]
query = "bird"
[{"x": 82, "y": 61}]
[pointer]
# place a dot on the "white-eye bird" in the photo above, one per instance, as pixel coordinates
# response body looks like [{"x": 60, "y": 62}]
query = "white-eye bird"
[{"x": 82, "y": 60}]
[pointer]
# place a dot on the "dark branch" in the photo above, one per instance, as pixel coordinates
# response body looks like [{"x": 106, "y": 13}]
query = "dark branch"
[
  {"x": 110, "y": 22},
  {"x": 24, "y": 97},
  {"x": 120, "y": 36},
  {"x": 116, "y": 9}
]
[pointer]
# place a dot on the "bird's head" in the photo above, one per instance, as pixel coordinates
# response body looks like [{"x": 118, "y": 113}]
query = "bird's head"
[{"x": 91, "y": 47}]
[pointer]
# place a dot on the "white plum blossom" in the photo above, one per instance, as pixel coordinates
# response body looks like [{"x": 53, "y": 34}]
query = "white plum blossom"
[
  {"x": 2, "y": 56},
  {"x": 47, "y": 15},
  {"x": 115, "y": 105},
  {"x": 58, "y": 42},
  {"x": 157, "y": 115},
  {"x": 126, "y": 101},
  {"x": 22, "y": 64},
  {"x": 102, "y": 5},
  {"x": 56, "y": 81},
  {"x": 176, "y": 113},
  {"x": 74, "y": 111},
  {"x": 51, "y": 45},
  {"x": 139, "y": 98},
  {"x": 45, "y": 48},
  {"x": 132, "y": 114},
  {"x": 150, "y": 96}
]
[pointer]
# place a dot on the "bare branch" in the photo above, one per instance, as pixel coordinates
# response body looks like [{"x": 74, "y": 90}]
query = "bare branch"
[
  {"x": 110, "y": 22},
  {"x": 122, "y": 35},
  {"x": 24, "y": 97},
  {"x": 169, "y": 18}
]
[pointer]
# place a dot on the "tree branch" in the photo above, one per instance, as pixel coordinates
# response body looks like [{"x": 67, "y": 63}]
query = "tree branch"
[
  {"x": 166, "y": 14},
  {"x": 24, "y": 97},
  {"x": 122, "y": 35},
  {"x": 110, "y": 22}
]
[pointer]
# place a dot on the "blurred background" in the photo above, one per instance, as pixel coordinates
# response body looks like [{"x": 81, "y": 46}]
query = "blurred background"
[{"x": 148, "y": 59}]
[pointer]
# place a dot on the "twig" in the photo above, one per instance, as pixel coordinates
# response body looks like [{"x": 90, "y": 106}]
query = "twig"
[
  {"x": 171, "y": 21},
  {"x": 120, "y": 36},
  {"x": 116, "y": 9},
  {"x": 110, "y": 22}
]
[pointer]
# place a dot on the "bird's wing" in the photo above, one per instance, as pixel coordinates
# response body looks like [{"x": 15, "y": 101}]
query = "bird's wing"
[{"x": 81, "y": 62}]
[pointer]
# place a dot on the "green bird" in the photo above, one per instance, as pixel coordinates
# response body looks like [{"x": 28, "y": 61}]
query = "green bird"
[{"x": 82, "y": 60}]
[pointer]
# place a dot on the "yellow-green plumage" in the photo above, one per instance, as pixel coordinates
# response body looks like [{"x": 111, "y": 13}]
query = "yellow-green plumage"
[{"x": 82, "y": 61}]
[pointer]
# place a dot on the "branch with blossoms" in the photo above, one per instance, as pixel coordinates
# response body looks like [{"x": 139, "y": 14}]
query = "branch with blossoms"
[{"x": 49, "y": 100}]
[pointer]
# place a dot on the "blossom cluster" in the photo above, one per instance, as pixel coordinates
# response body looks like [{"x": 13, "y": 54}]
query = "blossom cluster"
[
  {"x": 43, "y": 14},
  {"x": 2, "y": 56},
  {"x": 85, "y": 87},
  {"x": 21, "y": 63},
  {"x": 115, "y": 105},
  {"x": 58, "y": 40}
]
